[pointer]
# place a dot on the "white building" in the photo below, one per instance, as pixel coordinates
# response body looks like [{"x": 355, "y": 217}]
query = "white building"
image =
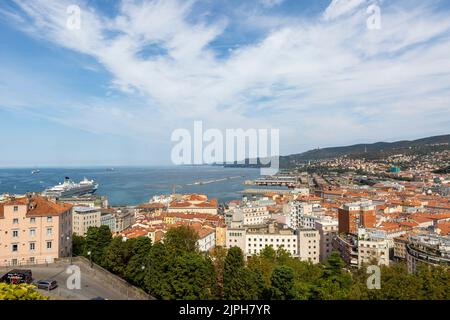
[
  {"x": 309, "y": 245},
  {"x": 207, "y": 239},
  {"x": 297, "y": 210},
  {"x": 328, "y": 229},
  {"x": 372, "y": 247},
  {"x": 85, "y": 217}
]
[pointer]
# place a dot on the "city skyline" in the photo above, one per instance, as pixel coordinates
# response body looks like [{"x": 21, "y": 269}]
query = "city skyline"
[{"x": 112, "y": 92}]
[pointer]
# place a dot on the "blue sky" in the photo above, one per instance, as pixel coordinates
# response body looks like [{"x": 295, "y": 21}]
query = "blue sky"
[{"x": 112, "y": 92}]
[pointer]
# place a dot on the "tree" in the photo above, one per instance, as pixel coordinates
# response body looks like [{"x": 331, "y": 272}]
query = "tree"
[
  {"x": 240, "y": 282},
  {"x": 218, "y": 256},
  {"x": 97, "y": 240},
  {"x": 117, "y": 255},
  {"x": 78, "y": 245},
  {"x": 20, "y": 292},
  {"x": 335, "y": 283},
  {"x": 282, "y": 281},
  {"x": 158, "y": 263},
  {"x": 181, "y": 239},
  {"x": 135, "y": 270},
  {"x": 191, "y": 277}
]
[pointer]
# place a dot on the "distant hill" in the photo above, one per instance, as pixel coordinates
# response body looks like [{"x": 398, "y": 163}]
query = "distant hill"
[
  {"x": 372, "y": 151},
  {"x": 376, "y": 150}
]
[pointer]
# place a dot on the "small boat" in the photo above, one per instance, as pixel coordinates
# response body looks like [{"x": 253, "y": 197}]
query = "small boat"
[{"x": 35, "y": 171}]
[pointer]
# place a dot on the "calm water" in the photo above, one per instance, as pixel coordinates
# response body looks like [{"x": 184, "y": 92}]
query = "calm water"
[{"x": 134, "y": 185}]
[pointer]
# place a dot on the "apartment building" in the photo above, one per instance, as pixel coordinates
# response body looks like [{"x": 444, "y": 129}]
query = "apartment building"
[
  {"x": 356, "y": 215},
  {"x": 273, "y": 235},
  {"x": 34, "y": 230},
  {"x": 427, "y": 249},
  {"x": 372, "y": 248},
  {"x": 309, "y": 245},
  {"x": 296, "y": 211},
  {"x": 247, "y": 216},
  {"x": 328, "y": 229},
  {"x": 85, "y": 217}
]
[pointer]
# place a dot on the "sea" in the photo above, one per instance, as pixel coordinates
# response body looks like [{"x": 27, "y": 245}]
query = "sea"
[{"x": 135, "y": 185}]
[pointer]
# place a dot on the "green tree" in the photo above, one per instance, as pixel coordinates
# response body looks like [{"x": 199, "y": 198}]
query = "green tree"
[
  {"x": 191, "y": 277},
  {"x": 335, "y": 283},
  {"x": 117, "y": 255},
  {"x": 97, "y": 240},
  {"x": 240, "y": 282},
  {"x": 282, "y": 283},
  {"x": 78, "y": 245},
  {"x": 181, "y": 239},
  {"x": 158, "y": 264},
  {"x": 135, "y": 269},
  {"x": 20, "y": 292}
]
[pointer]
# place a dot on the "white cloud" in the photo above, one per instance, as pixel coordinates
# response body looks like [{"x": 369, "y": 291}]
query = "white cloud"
[{"x": 318, "y": 80}]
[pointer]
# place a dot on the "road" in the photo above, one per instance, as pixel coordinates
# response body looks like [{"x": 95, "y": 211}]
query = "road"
[{"x": 90, "y": 286}]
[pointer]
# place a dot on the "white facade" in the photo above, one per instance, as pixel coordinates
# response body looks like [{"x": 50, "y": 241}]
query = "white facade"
[
  {"x": 328, "y": 229},
  {"x": 85, "y": 217},
  {"x": 255, "y": 242},
  {"x": 207, "y": 242},
  {"x": 373, "y": 245},
  {"x": 309, "y": 245},
  {"x": 297, "y": 210}
]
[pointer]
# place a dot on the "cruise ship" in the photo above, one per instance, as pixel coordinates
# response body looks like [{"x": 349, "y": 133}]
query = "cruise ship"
[{"x": 70, "y": 188}]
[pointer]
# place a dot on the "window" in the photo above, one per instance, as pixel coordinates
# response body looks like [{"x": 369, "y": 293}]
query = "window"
[
  {"x": 16, "y": 208},
  {"x": 49, "y": 231},
  {"x": 32, "y": 220},
  {"x": 32, "y": 232},
  {"x": 15, "y": 248},
  {"x": 15, "y": 233},
  {"x": 15, "y": 221},
  {"x": 49, "y": 219},
  {"x": 49, "y": 244},
  {"x": 32, "y": 246}
]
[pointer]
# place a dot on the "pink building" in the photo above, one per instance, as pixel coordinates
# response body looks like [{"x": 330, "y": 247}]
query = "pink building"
[{"x": 34, "y": 230}]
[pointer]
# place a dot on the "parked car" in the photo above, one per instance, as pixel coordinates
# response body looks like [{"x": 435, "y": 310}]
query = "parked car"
[
  {"x": 17, "y": 276},
  {"x": 99, "y": 298},
  {"x": 48, "y": 284}
]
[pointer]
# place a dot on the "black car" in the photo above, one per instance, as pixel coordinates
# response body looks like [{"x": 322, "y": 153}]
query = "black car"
[
  {"x": 17, "y": 276},
  {"x": 48, "y": 284}
]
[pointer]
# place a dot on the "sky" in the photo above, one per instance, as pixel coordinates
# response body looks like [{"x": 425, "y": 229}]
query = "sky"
[{"x": 113, "y": 91}]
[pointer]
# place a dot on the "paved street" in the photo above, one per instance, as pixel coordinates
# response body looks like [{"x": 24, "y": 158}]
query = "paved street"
[{"x": 90, "y": 286}]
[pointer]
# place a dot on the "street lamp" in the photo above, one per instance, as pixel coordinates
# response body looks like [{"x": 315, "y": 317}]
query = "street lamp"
[{"x": 90, "y": 257}]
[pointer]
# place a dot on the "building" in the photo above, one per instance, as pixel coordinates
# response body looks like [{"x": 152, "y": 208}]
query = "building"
[
  {"x": 34, "y": 230},
  {"x": 273, "y": 235},
  {"x": 297, "y": 210},
  {"x": 235, "y": 238},
  {"x": 206, "y": 239},
  {"x": 400, "y": 247},
  {"x": 347, "y": 246},
  {"x": 427, "y": 249},
  {"x": 88, "y": 200},
  {"x": 356, "y": 215},
  {"x": 328, "y": 229},
  {"x": 193, "y": 203},
  {"x": 108, "y": 219},
  {"x": 372, "y": 248},
  {"x": 309, "y": 245},
  {"x": 85, "y": 217}
]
